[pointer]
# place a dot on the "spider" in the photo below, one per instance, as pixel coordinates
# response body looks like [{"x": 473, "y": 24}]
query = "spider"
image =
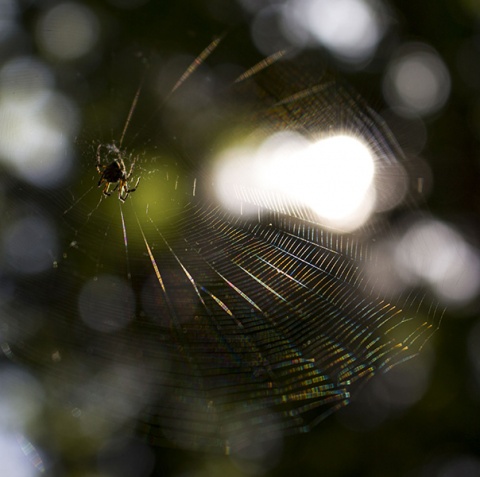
[{"x": 114, "y": 173}]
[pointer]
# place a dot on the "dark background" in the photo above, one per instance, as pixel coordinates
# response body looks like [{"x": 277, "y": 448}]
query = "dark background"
[{"x": 440, "y": 433}]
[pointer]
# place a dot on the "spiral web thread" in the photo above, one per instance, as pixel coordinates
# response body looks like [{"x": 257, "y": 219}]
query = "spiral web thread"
[
  {"x": 246, "y": 328},
  {"x": 285, "y": 322}
]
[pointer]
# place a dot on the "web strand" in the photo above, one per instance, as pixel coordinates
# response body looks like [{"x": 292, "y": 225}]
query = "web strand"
[
  {"x": 199, "y": 60},
  {"x": 250, "y": 325}
]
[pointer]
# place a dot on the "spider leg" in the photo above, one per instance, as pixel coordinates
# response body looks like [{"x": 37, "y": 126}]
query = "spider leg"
[
  {"x": 126, "y": 190},
  {"x": 135, "y": 188},
  {"x": 122, "y": 194},
  {"x": 106, "y": 193},
  {"x": 100, "y": 167},
  {"x": 132, "y": 165}
]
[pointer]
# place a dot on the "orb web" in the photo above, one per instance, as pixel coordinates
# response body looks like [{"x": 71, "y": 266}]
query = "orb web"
[{"x": 202, "y": 326}]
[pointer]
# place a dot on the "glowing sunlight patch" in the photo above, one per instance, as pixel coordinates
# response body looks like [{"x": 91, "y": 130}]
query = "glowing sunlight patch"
[{"x": 332, "y": 177}]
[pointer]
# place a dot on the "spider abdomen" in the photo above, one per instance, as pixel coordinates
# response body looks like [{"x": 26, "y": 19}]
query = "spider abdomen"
[{"x": 114, "y": 172}]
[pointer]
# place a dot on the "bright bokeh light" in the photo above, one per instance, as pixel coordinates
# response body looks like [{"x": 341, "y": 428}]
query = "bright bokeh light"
[
  {"x": 31, "y": 453},
  {"x": 389, "y": 394},
  {"x": 21, "y": 399},
  {"x": 107, "y": 303},
  {"x": 332, "y": 177},
  {"x": 13, "y": 461},
  {"x": 112, "y": 396},
  {"x": 417, "y": 81},
  {"x": 350, "y": 29},
  {"x": 68, "y": 31},
  {"x": 433, "y": 253},
  {"x": 29, "y": 244},
  {"x": 24, "y": 78},
  {"x": 267, "y": 32},
  {"x": 36, "y": 124},
  {"x": 256, "y": 454}
]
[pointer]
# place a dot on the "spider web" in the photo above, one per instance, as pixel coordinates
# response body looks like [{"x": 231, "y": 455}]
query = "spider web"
[{"x": 205, "y": 328}]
